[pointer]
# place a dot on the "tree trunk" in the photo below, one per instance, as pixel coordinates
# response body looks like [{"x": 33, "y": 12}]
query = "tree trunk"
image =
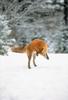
[{"x": 66, "y": 11}]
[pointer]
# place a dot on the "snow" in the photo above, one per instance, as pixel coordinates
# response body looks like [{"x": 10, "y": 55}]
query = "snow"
[{"x": 47, "y": 81}]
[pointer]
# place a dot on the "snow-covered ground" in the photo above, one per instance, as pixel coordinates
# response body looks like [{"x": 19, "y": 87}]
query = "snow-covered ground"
[{"x": 47, "y": 81}]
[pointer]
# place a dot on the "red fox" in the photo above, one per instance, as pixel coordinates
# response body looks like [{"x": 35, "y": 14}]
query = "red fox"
[{"x": 37, "y": 46}]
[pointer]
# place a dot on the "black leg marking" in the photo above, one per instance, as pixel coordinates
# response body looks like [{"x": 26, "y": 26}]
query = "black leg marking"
[
  {"x": 29, "y": 58},
  {"x": 34, "y": 56},
  {"x": 47, "y": 56}
]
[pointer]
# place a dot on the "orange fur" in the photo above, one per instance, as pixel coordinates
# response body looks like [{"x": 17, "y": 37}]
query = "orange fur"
[{"x": 36, "y": 47}]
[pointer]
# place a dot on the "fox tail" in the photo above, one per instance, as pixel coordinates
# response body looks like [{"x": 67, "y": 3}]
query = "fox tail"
[{"x": 18, "y": 49}]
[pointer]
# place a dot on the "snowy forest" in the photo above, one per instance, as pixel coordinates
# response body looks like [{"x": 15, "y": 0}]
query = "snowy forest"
[{"x": 21, "y": 21}]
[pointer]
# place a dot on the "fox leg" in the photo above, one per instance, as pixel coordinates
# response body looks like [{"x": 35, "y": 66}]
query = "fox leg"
[
  {"x": 34, "y": 56},
  {"x": 29, "y": 58},
  {"x": 47, "y": 56}
]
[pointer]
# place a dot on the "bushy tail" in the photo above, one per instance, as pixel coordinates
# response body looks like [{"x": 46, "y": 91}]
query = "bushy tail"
[{"x": 18, "y": 49}]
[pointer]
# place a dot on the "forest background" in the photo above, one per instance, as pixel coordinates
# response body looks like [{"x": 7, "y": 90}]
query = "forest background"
[{"x": 21, "y": 21}]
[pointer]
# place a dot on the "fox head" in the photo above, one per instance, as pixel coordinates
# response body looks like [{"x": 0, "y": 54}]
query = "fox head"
[{"x": 44, "y": 51}]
